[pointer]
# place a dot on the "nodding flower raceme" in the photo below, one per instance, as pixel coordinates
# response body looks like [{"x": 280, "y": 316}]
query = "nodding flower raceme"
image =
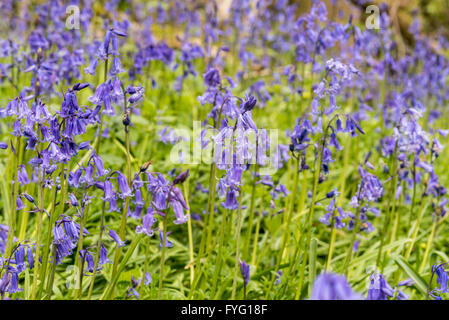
[
  {"x": 166, "y": 193},
  {"x": 103, "y": 52},
  {"x": 442, "y": 279}
]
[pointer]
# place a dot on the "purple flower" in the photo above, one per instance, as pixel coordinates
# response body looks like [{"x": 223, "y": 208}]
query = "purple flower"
[
  {"x": 73, "y": 200},
  {"x": 116, "y": 238},
  {"x": 168, "y": 244},
  {"x": 98, "y": 163},
  {"x": 212, "y": 77},
  {"x": 87, "y": 257},
  {"x": 442, "y": 277},
  {"x": 147, "y": 223},
  {"x": 331, "y": 286},
  {"x": 244, "y": 270},
  {"x": 19, "y": 203},
  {"x": 4, "y": 283},
  {"x": 136, "y": 94},
  {"x": 159, "y": 187},
  {"x": 74, "y": 178},
  {"x": 181, "y": 177},
  {"x": 371, "y": 188},
  {"x": 147, "y": 279},
  {"x": 179, "y": 213},
  {"x": 248, "y": 104},
  {"x": 63, "y": 243},
  {"x": 19, "y": 257},
  {"x": 29, "y": 198},
  {"x": 103, "y": 255},
  {"x": 123, "y": 185},
  {"x": 379, "y": 289},
  {"x": 30, "y": 258},
  {"x": 231, "y": 200}
]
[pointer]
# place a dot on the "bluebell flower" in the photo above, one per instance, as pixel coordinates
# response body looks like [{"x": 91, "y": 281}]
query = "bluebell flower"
[
  {"x": 147, "y": 279},
  {"x": 28, "y": 197},
  {"x": 103, "y": 256},
  {"x": 123, "y": 185},
  {"x": 212, "y": 77},
  {"x": 63, "y": 243},
  {"x": 245, "y": 272},
  {"x": 136, "y": 94},
  {"x": 116, "y": 238},
  {"x": 181, "y": 177},
  {"x": 442, "y": 277},
  {"x": 248, "y": 104},
  {"x": 19, "y": 203},
  {"x": 19, "y": 256},
  {"x": 379, "y": 289},
  {"x": 30, "y": 257},
  {"x": 231, "y": 200},
  {"x": 147, "y": 223},
  {"x": 88, "y": 259},
  {"x": 331, "y": 286},
  {"x": 371, "y": 188},
  {"x": 4, "y": 283},
  {"x": 168, "y": 244}
]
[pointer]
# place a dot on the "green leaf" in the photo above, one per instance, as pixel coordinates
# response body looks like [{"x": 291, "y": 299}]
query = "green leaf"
[
  {"x": 312, "y": 265},
  {"x": 420, "y": 283}
]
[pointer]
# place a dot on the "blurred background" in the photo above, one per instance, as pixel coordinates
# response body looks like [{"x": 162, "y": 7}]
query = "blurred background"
[{"x": 433, "y": 15}]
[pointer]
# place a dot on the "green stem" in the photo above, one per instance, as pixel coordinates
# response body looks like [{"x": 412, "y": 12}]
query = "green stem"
[
  {"x": 164, "y": 240},
  {"x": 412, "y": 208},
  {"x": 388, "y": 217},
  {"x": 97, "y": 258},
  {"x": 12, "y": 214},
  {"x": 287, "y": 223},
  {"x": 125, "y": 210},
  {"x": 132, "y": 247},
  {"x": 256, "y": 238},
  {"x": 249, "y": 232},
  {"x": 340, "y": 199},
  {"x": 351, "y": 244},
  {"x": 415, "y": 230},
  {"x": 190, "y": 234},
  {"x": 118, "y": 250},
  {"x": 237, "y": 250},
  {"x": 428, "y": 245},
  {"x": 145, "y": 269},
  {"x": 219, "y": 261},
  {"x": 331, "y": 245},
  {"x": 211, "y": 207},
  {"x": 205, "y": 231},
  {"x": 52, "y": 275},
  {"x": 80, "y": 261},
  {"x": 47, "y": 246},
  {"x": 39, "y": 235},
  {"x": 308, "y": 227}
]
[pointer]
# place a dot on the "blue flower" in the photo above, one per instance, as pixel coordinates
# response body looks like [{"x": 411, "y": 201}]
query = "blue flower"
[
  {"x": 245, "y": 271},
  {"x": 331, "y": 286},
  {"x": 116, "y": 238},
  {"x": 442, "y": 277},
  {"x": 168, "y": 244},
  {"x": 379, "y": 288}
]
